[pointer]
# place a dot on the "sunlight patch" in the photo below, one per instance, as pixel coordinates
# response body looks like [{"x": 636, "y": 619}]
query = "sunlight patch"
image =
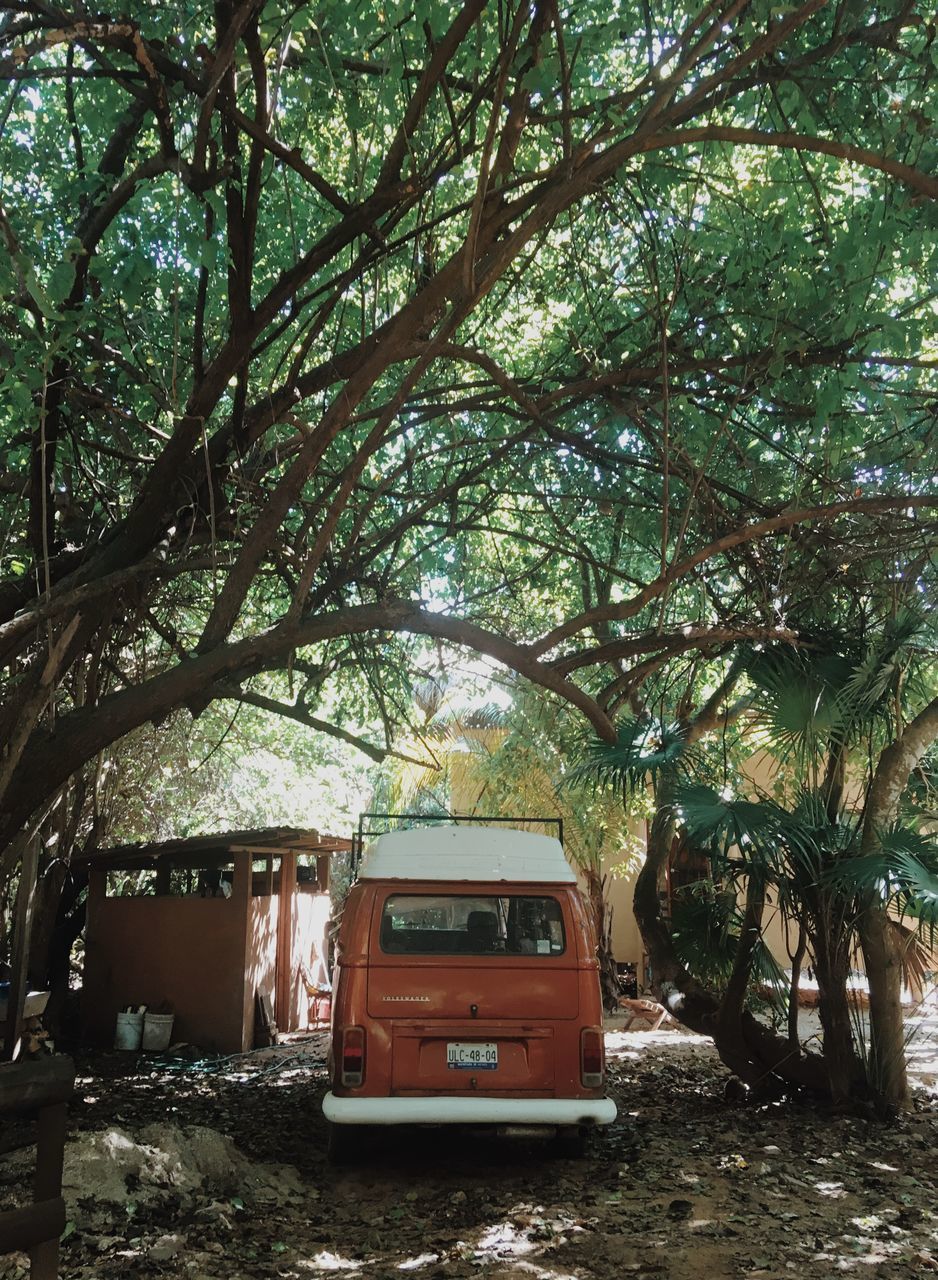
[
  {"x": 835, "y": 1190},
  {"x": 421, "y": 1260},
  {"x": 504, "y": 1238},
  {"x": 326, "y": 1261}
]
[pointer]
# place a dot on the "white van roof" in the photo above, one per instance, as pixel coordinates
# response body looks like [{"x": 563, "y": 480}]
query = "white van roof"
[{"x": 464, "y": 852}]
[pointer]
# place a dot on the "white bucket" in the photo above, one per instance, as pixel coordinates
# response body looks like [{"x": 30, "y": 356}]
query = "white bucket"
[
  {"x": 129, "y": 1031},
  {"x": 157, "y": 1030}
]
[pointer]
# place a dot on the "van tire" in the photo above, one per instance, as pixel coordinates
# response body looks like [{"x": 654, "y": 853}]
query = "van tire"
[
  {"x": 346, "y": 1143},
  {"x": 570, "y": 1142}
]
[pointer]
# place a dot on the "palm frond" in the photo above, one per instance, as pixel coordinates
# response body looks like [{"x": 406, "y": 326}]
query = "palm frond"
[
  {"x": 829, "y": 694},
  {"x": 875, "y": 677},
  {"x": 753, "y": 832},
  {"x": 799, "y": 697},
  {"x": 705, "y": 925},
  {"x": 902, "y": 870},
  {"x": 790, "y": 848},
  {"x": 921, "y": 797},
  {"x": 489, "y": 716},
  {"x": 643, "y": 748}
]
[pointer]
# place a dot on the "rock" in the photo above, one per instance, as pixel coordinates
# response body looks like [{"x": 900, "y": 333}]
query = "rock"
[
  {"x": 167, "y": 1247},
  {"x": 104, "y": 1243},
  {"x": 680, "y": 1209},
  {"x": 735, "y": 1090}
]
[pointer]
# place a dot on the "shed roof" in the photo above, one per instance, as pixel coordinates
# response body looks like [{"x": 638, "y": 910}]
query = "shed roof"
[
  {"x": 216, "y": 846},
  {"x": 466, "y": 853}
]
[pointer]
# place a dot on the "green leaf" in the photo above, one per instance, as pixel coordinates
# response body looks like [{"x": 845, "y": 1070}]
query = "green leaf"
[
  {"x": 776, "y": 366},
  {"x": 60, "y": 282}
]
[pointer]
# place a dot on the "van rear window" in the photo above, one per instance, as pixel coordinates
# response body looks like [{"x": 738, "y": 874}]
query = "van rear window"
[{"x": 445, "y": 924}]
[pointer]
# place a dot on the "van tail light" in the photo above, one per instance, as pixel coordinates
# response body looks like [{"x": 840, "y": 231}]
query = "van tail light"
[
  {"x": 592, "y": 1058},
  {"x": 352, "y": 1074}
]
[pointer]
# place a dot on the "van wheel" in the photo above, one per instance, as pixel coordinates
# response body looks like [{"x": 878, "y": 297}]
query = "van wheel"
[
  {"x": 346, "y": 1143},
  {"x": 570, "y": 1142}
]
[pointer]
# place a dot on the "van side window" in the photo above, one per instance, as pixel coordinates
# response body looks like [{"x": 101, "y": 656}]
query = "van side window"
[{"x": 438, "y": 924}]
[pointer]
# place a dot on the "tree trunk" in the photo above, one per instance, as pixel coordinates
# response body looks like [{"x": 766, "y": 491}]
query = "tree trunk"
[
  {"x": 883, "y": 959},
  {"x": 794, "y": 987},
  {"x": 832, "y": 966},
  {"x": 48, "y": 894},
  {"x": 881, "y": 953},
  {"x": 728, "y": 1033}
]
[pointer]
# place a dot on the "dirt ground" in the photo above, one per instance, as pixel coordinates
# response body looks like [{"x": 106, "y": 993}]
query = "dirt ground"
[{"x": 209, "y": 1170}]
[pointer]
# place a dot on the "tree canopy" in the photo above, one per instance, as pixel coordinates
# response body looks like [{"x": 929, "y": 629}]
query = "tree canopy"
[{"x": 598, "y": 339}]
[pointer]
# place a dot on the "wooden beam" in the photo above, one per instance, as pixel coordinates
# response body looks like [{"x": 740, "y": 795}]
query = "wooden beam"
[
  {"x": 32, "y": 1226},
  {"x": 26, "y": 1086}
]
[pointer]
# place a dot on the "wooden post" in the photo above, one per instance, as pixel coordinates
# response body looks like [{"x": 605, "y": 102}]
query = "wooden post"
[
  {"x": 25, "y": 899},
  {"x": 322, "y": 872},
  {"x": 163, "y": 870},
  {"x": 44, "y": 1257},
  {"x": 285, "y": 929}
]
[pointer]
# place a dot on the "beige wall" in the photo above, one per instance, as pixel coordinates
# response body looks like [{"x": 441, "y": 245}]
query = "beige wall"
[{"x": 626, "y": 939}]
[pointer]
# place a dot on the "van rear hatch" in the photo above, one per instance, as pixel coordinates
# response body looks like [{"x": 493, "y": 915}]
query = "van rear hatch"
[{"x": 474, "y": 985}]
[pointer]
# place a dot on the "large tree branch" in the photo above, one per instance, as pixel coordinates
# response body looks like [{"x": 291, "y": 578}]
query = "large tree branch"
[
  {"x": 919, "y": 181},
  {"x": 423, "y": 90},
  {"x": 79, "y": 735},
  {"x": 619, "y": 612},
  {"x": 689, "y": 636},
  {"x": 146, "y": 570},
  {"x": 892, "y": 773},
  {"x": 292, "y": 711}
]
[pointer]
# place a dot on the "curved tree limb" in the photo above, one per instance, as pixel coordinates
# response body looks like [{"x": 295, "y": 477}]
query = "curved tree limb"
[
  {"x": 292, "y": 711},
  {"x": 619, "y": 612}
]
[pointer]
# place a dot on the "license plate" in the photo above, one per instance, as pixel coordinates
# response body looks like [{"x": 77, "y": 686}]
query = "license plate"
[{"x": 469, "y": 1055}]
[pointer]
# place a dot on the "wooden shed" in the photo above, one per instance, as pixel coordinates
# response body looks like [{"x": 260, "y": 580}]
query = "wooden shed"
[{"x": 205, "y": 926}]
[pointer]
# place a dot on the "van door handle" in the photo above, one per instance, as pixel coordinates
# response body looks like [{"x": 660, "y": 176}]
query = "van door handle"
[{"x": 474, "y": 1010}]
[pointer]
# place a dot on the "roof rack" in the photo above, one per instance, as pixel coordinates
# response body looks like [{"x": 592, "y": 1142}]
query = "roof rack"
[{"x": 410, "y": 819}]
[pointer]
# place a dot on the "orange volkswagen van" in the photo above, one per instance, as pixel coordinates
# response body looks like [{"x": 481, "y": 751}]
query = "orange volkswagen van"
[{"x": 466, "y": 989}]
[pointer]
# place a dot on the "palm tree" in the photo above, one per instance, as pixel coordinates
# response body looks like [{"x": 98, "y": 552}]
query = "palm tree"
[{"x": 828, "y": 711}]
